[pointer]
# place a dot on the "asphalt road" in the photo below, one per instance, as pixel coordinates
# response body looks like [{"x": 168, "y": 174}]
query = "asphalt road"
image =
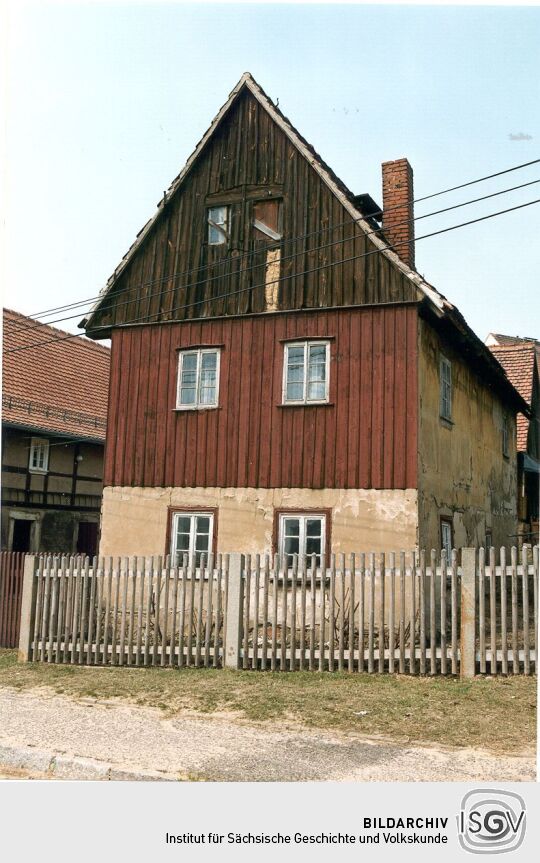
[{"x": 224, "y": 749}]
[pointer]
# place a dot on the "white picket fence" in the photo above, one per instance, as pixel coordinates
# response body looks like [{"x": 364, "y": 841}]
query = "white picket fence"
[{"x": 394, "y": 613}]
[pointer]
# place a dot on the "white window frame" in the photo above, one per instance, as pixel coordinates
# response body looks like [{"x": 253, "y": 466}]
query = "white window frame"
[
  {"x": 197, "y": 405},
  {"x": 38, "y": 444},
  {"x": 193, "y": 516},
  {"x": 303, "y": 518},
  {"x": 445, "y": 388},
  {"x": 306, "y": 344},
  {"x": 221, "y": 227},
  {"x": 446, "y": 526}
]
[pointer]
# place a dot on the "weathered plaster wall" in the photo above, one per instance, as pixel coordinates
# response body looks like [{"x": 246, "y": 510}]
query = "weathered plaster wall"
[
  {"x": 462, "y": 473},
  {"x": 134, "y": 520}
]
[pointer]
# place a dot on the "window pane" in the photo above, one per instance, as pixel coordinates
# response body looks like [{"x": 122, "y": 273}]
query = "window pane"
[
  {"x": 189, "y": 362},
  {"x": 189, "y": 378},
  {"x": 209, "y": 360},
  {"x": 295, "y": 355},
  {"x": 295, "y": 392},
  {"x": 316, "y": 391},
  {"x": 202, "y": 542},
  {"x": 203, "y": 524},
  {"x": 187, "y": 396},
  {"x": 313, "y": 545},
  {"x": 183, "y": 523},
  {"x": 295, "y": 373},
  {"x": 313, "y": 527},
  {"x": 182, "y": 541},
  {"x": 291, "y": 526},
  {"x": 317, "y": 353},
  {"x": 291, "y": 545}
]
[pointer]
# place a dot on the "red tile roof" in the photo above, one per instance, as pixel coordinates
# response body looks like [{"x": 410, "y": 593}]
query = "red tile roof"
[
  {"x": 518, "y": 361},
  {"x": 60, "y": 387}
]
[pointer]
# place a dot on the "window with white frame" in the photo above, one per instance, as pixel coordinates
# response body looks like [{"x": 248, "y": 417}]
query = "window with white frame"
[
  {"x": 445, "y": 376},
  {"x": 39, "y": 455},
  {"x": 218, "y": 225},
  {"x": 306, "y": 372},
  {"x": 191, "y": 534},
  {"x": 303, "y": 534},
  {"x": 198, "y": 379},
  {"x": 446, "y": 537}
]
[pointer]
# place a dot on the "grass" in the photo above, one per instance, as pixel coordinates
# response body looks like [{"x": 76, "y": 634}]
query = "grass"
[{"x": 498, "y": 714}]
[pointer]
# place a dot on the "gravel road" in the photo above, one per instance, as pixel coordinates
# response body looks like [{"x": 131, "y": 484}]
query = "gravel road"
[{"x": 223, "y": 749}]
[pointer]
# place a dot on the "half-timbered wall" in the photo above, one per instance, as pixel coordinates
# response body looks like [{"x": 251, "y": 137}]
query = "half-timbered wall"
[
  {"x": 366, "y": 437},
  {"x": 176, "y": 274}
]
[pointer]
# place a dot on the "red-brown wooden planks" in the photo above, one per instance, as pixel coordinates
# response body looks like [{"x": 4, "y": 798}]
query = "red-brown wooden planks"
[
  {"x": 365, "y": 437},
  {"x": 11, "y": 579}
]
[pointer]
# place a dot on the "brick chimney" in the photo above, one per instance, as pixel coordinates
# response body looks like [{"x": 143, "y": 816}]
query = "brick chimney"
[{"x": 398, "y": 208}]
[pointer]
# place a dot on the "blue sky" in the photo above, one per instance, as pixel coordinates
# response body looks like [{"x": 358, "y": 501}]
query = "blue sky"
[{"x": 105, "y": 103}]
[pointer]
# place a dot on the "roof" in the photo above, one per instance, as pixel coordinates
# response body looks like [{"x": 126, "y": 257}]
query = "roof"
[
  {"x": 439, "y": 306},
  {"x": 518, "y": 360},
  {"x": 337, "y": 186},
  {"x": 60, "y": 387}
]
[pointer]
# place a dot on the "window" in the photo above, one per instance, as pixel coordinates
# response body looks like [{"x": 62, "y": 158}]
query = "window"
[
  {"x": 192, "y": 534},
  {"x": 505, "y": 437},
  {"x": 305, "y": 372},
  {"x": 39, "y": 455},
  {"x": 301, "y": 533},
  {"x": 267, "y": 219},
  {"x": 446, "y": 389},
  {"x": 218, "y": 225},
  {"x": 446, "y": 537},
  {"x": 489, "y": 540},
  {"x": 198, "y": 379}
]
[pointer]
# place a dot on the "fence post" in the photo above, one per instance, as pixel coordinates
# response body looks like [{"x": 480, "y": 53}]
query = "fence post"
[
  {"x": 28, "y": 607},
  {"x": 468, "y": 612},
  {"x": 235, "y": 610}
]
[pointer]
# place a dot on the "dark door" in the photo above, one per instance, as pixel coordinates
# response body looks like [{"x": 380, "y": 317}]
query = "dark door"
[
  {"x": 22, "y": 528},
  {"x": 87, "y": 538}
]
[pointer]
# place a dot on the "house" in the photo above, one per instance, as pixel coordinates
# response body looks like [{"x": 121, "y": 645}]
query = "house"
[
  {"x": 282, "y": 377},
  {"x": 520, "y": 358},
  {"x": 54, "y": 413}
]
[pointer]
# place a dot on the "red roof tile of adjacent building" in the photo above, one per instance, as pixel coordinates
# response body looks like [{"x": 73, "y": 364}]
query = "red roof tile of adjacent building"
[
  {"x": 518, "y": 361},
  {"x": 60, "y": 386}
]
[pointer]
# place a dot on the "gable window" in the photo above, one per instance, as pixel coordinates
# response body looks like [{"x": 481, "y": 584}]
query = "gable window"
[
  {"x": 198, "y": 379},
  {"x": 39, "y": 455},
  {"x": 446, "y": 537},
  {"x": 445, "y": 378},
  {"x": 305, "y": 372},
  {"x": 505, "y": 437},
  {"x": 267, "y": 219},
  {"x": 192, "y": 534},
  {"x": 218, "y": 225},
  {"x": 303, "y": 534}
]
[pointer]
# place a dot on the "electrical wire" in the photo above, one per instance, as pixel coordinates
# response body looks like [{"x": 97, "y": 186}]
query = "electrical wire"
[{"x": 280, "y": 279}]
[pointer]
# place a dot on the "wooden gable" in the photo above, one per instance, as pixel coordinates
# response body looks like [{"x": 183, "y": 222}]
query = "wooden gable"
[{"x": 316, "y": 254}]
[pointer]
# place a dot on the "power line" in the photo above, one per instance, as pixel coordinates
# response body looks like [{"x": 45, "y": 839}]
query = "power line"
[
  {"x": 312, "y": 233},
  {"x": 36, "y": 324},
  {"x": 281, "y": 278}
]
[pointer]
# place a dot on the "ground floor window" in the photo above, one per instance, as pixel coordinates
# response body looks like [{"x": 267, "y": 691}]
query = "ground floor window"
[
  {"x": 303, "y": 534},
  {"x": 192, "y": 534},
  {"x": 446, "y": 537}
]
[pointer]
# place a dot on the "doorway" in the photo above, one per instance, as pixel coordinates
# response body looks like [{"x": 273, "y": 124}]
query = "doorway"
[{"x": 22, "y": 534}]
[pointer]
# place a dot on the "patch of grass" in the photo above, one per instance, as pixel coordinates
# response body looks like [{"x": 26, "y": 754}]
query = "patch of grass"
[{"x": 491, "y": 713}]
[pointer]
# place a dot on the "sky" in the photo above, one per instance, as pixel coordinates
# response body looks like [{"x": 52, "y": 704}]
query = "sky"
[{"x": 105, "y": 102}]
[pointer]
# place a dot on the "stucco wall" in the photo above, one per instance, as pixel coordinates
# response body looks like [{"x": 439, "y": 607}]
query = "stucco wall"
[
  {"x": 134, "y": 520},
  {"x": 462, "y": 473}
]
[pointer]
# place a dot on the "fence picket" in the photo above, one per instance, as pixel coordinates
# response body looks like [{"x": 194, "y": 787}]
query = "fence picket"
[
  {"x": 275, "y": 574},
  {"x": 514, "y": 583},
  {"x": 535, "y": 604},
  {"x": 525, "y": 609},
  {"x": 352, "y": 600},
  {"x": 255, "y": 660},
  {"x": 46, "y": 609},
  {"x": 504, "y": 613},
  {"x": 422, "y": 607},
  {"x": 361, "y": 614},
  {"x": 247, "y": 607},
  {"x": 140, "y": 621},
  {"x": 39, "y": 607},
  {"x": 492, "y": 613},
  {"x": 303, "y": 608},
  {"x": 382, "y": 599},
  {"x": 322, "y": 626},
  {"x": 91, "y": 613},
  {"x": 392, "y": 615},
  {"x": 340, "y": 582},
  {"x": 432, "y": 642},
  {"x": 402, "y": 613},
  {"x": 313, "y": 576},
  {"x": 183, "y": 658},
  {"x": 454, "y": 604},
  {"x": 266, "y": 588},
  {"x": 444, "y": 576},
  {"x": 292, "y": 659},
  {"x": 482, "y": 608},
  {"x": 209, "y": 594},
  {"x": 371, "y": 619},
  {"x": 98, "y": 656},
  {"x": 132, "y": 589},
  {"x": 172, "y": 638},
  {"x": 412, "y": 626},
  {"x": 217, "y": 630},
  {"x": 332, "y": 613}
]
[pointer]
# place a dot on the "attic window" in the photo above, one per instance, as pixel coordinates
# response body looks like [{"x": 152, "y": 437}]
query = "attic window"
[
  {"x": 267, "y": 218},
  {"x": 218, "y": 225}
]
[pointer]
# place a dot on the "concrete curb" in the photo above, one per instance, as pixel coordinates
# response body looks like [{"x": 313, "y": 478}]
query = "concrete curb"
[{"x": 56, "y": 766}]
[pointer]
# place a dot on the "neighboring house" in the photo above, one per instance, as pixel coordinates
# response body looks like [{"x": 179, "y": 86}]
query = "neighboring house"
[
  {"x": 54, "y": 414},
  {"x": 281, "y": 379},
  {"x": 520, "y": 358}
]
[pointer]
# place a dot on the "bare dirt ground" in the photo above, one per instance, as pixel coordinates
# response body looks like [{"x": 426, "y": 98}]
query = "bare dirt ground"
[{"x": 224, "y": 747}]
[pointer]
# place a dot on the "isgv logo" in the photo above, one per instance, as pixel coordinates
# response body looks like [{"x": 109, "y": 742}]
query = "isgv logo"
[{"x": 491, "y": 822}]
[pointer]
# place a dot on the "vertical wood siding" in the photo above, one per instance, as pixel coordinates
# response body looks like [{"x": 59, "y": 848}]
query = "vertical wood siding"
[
  {"x": 176, "y": 275},
  {"x": 365, "y": 438}
]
